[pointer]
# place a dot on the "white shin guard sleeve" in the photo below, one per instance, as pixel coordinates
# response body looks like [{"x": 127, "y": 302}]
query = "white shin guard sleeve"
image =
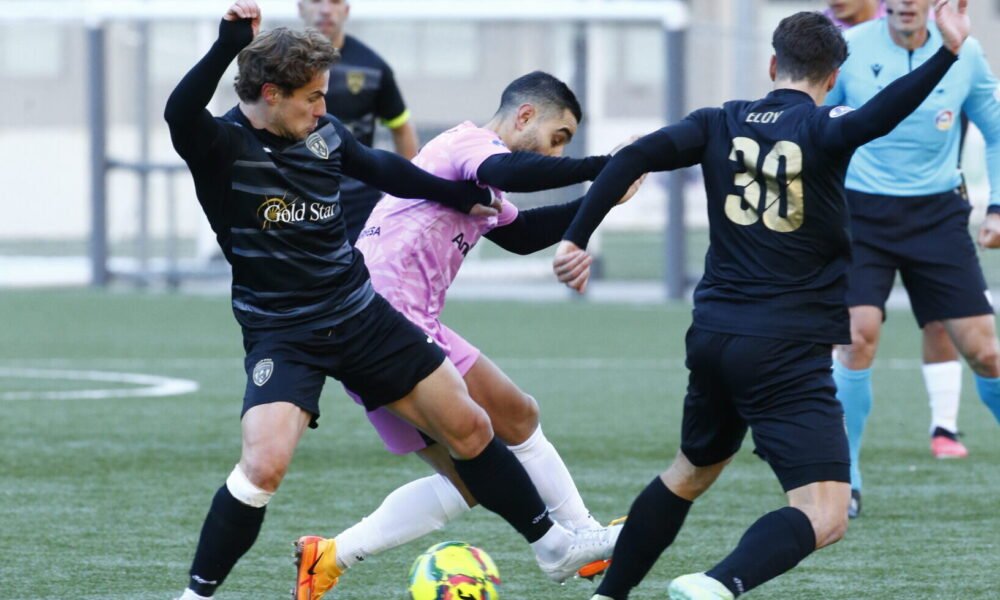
[
  {"x": 554, "y": 483},
  {"x": 409, "y": 512}
]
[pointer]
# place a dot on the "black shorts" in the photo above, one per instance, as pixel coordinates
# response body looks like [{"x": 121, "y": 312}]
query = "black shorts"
[
  {"x": 783, "y": 390},
  {"x": 927, "y": 240},
  {"x": 378, "y": 353}
]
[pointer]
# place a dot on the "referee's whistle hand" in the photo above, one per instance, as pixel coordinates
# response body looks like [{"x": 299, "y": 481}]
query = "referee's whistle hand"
[
  {"x": 989, "y": 233},
  {"x": 572, "y": 266}
]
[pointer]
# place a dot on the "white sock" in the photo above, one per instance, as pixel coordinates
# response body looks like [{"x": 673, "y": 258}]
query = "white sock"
[
  {"x": 944, "y": 387},
  {"x": 552, "y": 546},
  {"x": 554, "y": 483},
  {"x": 190, "y": 595},
  {"x": 409, "y": 512}
]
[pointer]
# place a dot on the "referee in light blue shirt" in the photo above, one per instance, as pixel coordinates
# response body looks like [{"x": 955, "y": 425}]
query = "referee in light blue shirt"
[{"x": 908, "y": 209}]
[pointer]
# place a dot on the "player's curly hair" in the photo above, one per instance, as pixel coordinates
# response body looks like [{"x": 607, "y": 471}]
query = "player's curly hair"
[
  {"x": 284, "y": 57},
  {"x": 808, "y": 47}
]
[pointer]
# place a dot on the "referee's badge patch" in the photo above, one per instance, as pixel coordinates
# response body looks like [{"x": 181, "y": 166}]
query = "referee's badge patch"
[
  {"x": 944, "y": 120},
  {"x": 262, "y": 371},
  {"x": 317, "y": 145},
  {"x": 839, "y": 111}
]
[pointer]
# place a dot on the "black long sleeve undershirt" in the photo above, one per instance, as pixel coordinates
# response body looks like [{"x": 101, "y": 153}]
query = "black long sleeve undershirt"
[
  {"x": 193, "y": 130},
  {"x": 682, "y": 144},
  {"x": 536, "y": 228},
  {"x": 399, "y": 177},
  {"x": 532, "y": 172}
]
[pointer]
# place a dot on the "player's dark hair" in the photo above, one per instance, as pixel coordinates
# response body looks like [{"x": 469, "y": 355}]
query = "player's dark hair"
[
  {"x": 808, "y": 46},
  {"x": 285, "y": 57},
  {"x": 541, "y": 89}
]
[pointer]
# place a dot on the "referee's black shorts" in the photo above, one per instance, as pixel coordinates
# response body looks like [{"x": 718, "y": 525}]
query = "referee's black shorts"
[{"x": 926, "y": 239}]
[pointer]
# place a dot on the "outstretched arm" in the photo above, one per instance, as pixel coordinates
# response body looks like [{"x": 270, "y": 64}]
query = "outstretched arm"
[
  {"x": 192, "y": 129},
  {"x": 395, "y": 175},
  {"x": 533, "y": 172}
]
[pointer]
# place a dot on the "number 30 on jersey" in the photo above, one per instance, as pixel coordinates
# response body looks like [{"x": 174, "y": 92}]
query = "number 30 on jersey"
[{"x": 746, "y": 208}]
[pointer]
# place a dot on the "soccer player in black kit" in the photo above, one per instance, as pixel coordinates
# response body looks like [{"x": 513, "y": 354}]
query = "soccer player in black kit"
[
  {"x": 267, "y": 176},
  {"x": 770, "y": 305},
  {"x": 362, "y": 90}
]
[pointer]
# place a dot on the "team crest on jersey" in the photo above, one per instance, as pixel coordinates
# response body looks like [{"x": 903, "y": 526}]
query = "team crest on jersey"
[
  {"x": 944, "y": 120},
  {"x": 839, "y": 111},
  {"x": 876, "y": 69},
  {"x": 262, "y": 371},
  {"x": 355, "y": 81},
  {"x": 317, "y": 145}
]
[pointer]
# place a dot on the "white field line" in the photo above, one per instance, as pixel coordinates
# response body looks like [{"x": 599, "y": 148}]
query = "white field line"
[
  {"x": 216, "y": 363},
  {"x": 153, "y": 386}
]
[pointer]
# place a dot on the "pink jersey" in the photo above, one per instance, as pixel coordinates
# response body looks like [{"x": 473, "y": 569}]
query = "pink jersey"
[{"x": 414, "y": 248}]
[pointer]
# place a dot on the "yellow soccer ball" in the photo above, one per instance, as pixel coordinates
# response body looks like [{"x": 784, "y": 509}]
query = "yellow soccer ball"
[{"x": 454, "y": 571}]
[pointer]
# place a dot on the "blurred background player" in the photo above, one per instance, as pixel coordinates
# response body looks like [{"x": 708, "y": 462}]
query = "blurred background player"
[
  {"x": 848, "y": 13},
  {"x": 414, "y": 251},
  {"x": 362, "y": 90},
  {"x": 941, "y": 369},
  {"x": 770, "y": 305},
  {"x": 909, "y": 214}
]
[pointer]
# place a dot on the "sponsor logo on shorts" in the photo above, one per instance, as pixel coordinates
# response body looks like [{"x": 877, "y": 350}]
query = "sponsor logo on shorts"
[
  {"x": 317, "y": 145},
  {"x": 262, "y": 371},
  {"x": 989, "y": 297},
  {"x": 944, "y": 120},
  {"x": 839, "y": 111}
]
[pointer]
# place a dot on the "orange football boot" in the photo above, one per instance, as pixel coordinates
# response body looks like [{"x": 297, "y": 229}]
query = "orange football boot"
[{"x": 316, "y": 563}]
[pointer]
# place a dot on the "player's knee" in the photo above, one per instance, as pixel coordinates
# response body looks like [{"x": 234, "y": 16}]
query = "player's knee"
[
  {"x": 470, "y": 433},
  {"x": 264, "y": 470},
  {"x": 831, "y": 528},
  {"x": 525, "y": 418},
  {"x": 985, "y": 361}
]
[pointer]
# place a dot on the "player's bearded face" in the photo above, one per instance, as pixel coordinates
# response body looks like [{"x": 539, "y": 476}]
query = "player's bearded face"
[
  {"x": 908, "y": 16},
  {"x": 296, "y": 115},
  {"x": 547, "y": 133}
]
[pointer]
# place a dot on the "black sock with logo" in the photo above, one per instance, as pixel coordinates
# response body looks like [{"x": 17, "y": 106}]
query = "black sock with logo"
[
  {"x": 499, "y": 482},
  {"x": 653, "y": 522},
  {"x": 773, "y": 545},
  {"x": 230, "y": 529}
]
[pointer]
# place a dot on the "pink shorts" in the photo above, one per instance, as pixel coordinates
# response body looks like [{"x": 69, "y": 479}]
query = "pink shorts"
[{"x": 399, "y": 436}]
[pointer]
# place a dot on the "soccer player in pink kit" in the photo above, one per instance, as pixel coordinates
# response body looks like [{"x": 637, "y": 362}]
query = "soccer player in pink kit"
[{"x": 414, "y": 251}]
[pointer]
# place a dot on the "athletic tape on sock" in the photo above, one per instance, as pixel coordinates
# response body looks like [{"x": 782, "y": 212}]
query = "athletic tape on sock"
[{"x": 245, "y": 491}]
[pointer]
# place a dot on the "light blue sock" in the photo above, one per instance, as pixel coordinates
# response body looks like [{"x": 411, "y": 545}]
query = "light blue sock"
[
  {"x": 854, "y": 390},
  {"x": 989, "y": 393}
]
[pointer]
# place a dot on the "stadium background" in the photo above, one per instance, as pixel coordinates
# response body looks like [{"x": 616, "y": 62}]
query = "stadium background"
[{"x": 103, "y": 482}]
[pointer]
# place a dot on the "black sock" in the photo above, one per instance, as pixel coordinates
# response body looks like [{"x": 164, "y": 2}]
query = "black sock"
[
  {"x": 499, "y": 482},
  {"x": 230, "y": 529},
  {"x": 772, "y": 545},
  {"x": 653, "y": 522}
]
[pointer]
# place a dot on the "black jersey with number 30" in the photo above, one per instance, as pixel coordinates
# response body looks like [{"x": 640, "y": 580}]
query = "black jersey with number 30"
[{"x": 774, "y": 177}]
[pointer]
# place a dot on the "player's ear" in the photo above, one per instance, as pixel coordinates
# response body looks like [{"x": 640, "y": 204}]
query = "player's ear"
[
  {"x": 525, "y": 113},
  {"x": 772, "y": 69},
  {"x": 270, "y": 93},
  {"x": 832, "y": 80}
]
